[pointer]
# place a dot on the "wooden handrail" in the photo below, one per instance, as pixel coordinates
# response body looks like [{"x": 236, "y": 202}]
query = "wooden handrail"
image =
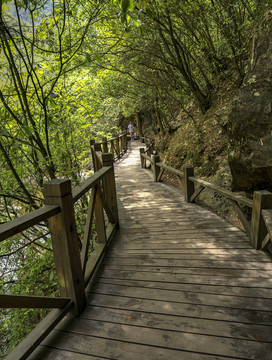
[
  {"x": 89, "y": 183},
  {"x": 31, "y": 302},
  {"x": 24, "y": 222},
  {"x": 170, "y": 169},
  {"x": 228, "y": 194}
]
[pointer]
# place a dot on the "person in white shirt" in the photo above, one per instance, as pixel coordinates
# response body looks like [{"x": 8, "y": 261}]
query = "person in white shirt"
[{"x": 131, "y": 130}]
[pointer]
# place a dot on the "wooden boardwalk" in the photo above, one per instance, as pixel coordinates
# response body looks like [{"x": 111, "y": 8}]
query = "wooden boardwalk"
[{"x": 177, "y": 283}]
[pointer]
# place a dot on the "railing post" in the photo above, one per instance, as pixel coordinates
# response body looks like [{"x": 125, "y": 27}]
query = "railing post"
[
  {"x": 125, "y": 142},
  {"x": 156, "y": 170},
  {"x": 109, "y": 186},
  {"x": 142, "y": 151},
  {"x": 65, "y": 243},
  {"x": 261, "y": 200},
  {"x": 97, "y": 147},
  {"x": 189, "y": 186},
  {"x": 92, "y": 141},
  {"x": 105, "y": 145},
  {"x": 117, "y": 147}
]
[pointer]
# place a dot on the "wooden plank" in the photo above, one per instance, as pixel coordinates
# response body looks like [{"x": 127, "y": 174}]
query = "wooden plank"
[
  {"x": 27, "y": 346},
  {"x": 193, "y": 256},
  {"x": 248, "y": 282},
  {"x": 230, "y": 329},
  {"x": 215, "y": 264},
  {"x": 175, "y": 340},
  {"x": 187, "y": 297},
  {"x": 46, "y": 353},
  {"x": 201, "y": 271},
  {"x": 24, "y": 222},
  {"x": 179, "y": 309},
  {"x": 31, "y": 302},
  {"x": 228, "y": 194},
  {"x": 228, "y": 290},
  {"x": 88, "y": 184},
  {"x": 112, "y": 349}
]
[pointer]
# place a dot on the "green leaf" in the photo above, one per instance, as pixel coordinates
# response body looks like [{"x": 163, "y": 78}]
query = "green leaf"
[
  {"x": 88, "y": 57},
  {"x": 98, "y": 58},
  {"x": 127, "y": 5},
  {"x": 4, "y": 132}
]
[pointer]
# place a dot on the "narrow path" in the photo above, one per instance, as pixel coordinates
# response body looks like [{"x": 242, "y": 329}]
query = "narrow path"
[{"x": 177, "y": 283}]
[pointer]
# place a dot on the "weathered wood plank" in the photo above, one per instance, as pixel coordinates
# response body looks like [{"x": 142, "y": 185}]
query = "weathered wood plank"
[
  {"x": 88, "y": 184},
  {"x": 191, "y": 279},
  {"x": 228, "y": 290},
  {"x": 230, "y": 329},
  {"x": 175, "y": 340},
  {"x": 230, "y": 272},
  {"x": 179, "y": 309},
  {"x": 188, "y": 297},
  {"x": 228, "y": 194},
  {"x": 31, "y": 302},
  {"x": 24, "y": 222},
  {"x": 215, "y": 264}
]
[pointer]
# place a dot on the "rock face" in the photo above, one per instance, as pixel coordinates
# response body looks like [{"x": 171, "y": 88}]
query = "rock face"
[{"x": 249, "y": 124}]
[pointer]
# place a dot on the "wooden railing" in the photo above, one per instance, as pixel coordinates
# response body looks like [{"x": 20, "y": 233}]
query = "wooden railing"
[
  {"x": 259, "y": 229},
  {"x": 74, "y": 268},
  {"x": 116, "y": 146}
]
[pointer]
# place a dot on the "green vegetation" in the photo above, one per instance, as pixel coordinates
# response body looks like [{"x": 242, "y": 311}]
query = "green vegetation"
[{"x": 71, "y": 71}]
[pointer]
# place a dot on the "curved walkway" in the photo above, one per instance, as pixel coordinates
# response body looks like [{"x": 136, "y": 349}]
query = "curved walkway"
[{"x": 178, "y": 283}]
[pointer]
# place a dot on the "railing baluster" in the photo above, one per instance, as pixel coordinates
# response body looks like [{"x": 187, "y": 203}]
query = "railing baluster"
[
  {"x": 88, "y": 230},
  {"x": 109, "y": 186}
]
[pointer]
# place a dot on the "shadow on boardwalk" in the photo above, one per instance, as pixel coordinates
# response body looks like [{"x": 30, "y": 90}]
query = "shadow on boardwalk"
[{"x": 178, "y": 282}]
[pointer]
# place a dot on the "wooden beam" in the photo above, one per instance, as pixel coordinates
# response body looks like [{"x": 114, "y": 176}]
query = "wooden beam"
[
  {"x": 31, "y": 302},
  {"x": 228, "y": 194},
  {"x": 88, "y": 230},
  {"x": 170, "y": 169},
  {"x": 24, "y": 222},
  {"x": 196, "y": 193},
  {"x": 179, "y": 180},
  {"x": 242, "y": 217},
  {"x": 38, "y": 334},
  {"x": 88, "y": 184},
  {"x": 160, "y": 174},
  {"x": 266, "y": 242}
]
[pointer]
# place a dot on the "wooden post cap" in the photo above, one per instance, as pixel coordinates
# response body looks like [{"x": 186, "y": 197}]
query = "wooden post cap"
[{"x": 57, "y": 187}]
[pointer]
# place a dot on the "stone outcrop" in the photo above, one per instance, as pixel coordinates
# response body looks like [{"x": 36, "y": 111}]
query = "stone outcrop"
[{"x": 249, "y": 117}]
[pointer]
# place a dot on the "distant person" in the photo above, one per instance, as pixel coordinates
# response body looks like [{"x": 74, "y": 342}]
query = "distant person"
[{"x": 131, "y": 130}]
